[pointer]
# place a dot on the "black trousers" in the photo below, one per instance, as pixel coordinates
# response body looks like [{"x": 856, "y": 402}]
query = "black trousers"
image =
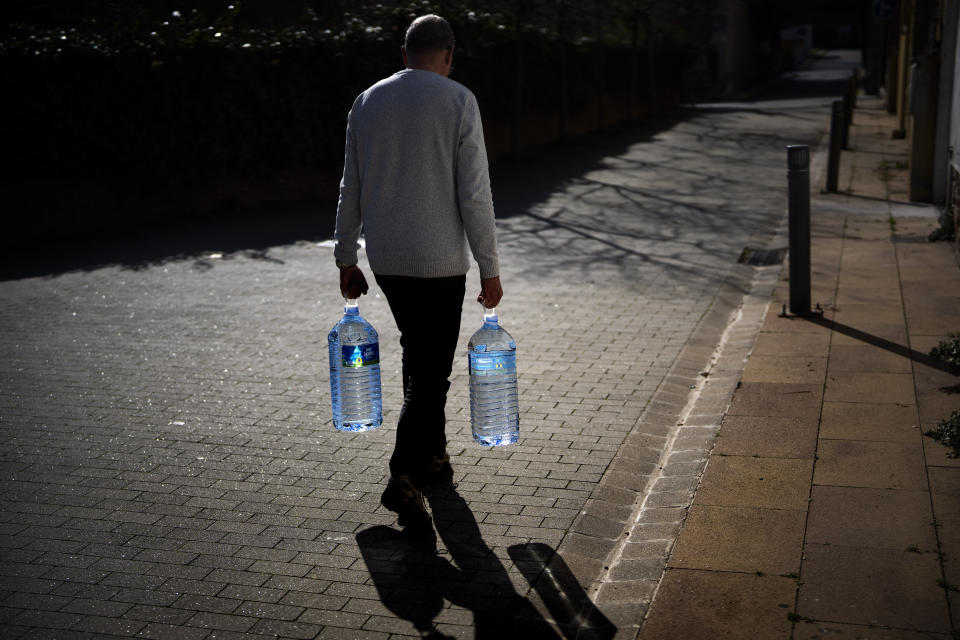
[{"x": 427, "y": 312}]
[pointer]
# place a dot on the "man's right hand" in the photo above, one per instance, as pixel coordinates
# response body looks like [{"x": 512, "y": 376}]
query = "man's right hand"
[{"x": 352, "y": 282}]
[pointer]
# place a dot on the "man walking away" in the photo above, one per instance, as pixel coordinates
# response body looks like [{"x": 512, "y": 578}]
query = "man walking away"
[{"x": 416, "y": 183}]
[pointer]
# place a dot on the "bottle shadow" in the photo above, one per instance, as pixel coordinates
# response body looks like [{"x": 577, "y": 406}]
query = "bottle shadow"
[{"x": 413, "y": 581}]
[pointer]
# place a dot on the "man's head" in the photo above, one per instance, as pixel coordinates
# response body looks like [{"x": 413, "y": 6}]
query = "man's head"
[{"x": 429, "y": 45}]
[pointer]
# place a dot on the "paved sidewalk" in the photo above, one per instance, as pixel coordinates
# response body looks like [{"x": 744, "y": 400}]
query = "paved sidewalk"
[
  {"x": 168, "y": 468},
  {"x": 823, "y": 510}
]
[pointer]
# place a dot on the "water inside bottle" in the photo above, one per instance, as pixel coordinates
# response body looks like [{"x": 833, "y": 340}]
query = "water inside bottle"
[
  {"x": 494, "y": 408},
  {"x": 355, "y": 392}
]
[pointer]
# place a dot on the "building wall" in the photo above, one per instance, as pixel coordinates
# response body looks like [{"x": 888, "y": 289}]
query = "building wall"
[
  {"x": 953, "y": 169},
  {"x": 955, "y": 108},
  {"x": 947, "y": 140},
  {"x": 733, "y": 42}
]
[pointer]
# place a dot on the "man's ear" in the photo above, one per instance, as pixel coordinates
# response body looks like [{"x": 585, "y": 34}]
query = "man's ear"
[
  {"x": 403, "y": 54},
  {"x": 448, "y": 56}
]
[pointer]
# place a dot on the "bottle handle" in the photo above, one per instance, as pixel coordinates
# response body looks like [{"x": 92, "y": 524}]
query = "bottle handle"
[{"x": 489, "y": 314}]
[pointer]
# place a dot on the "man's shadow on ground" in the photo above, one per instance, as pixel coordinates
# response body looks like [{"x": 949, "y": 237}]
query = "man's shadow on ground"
[{"x": 413, "y": 581}]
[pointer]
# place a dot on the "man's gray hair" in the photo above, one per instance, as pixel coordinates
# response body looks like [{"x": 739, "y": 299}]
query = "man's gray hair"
[{"x": 428, "y": 34}]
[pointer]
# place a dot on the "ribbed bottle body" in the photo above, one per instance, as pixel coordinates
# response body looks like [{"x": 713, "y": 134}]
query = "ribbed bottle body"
[
  {"x": 494, "y": 403},
  {"x": 355, "y": 393}
]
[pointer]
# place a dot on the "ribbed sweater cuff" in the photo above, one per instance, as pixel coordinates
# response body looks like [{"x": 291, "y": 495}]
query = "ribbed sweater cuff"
[{"x": 490, "y": 269}]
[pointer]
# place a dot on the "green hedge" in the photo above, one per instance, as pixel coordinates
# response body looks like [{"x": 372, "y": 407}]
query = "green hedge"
[{"x": 186, "y": 99}]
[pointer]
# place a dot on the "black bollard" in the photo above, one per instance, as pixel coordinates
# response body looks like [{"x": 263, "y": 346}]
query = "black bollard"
[
  {"x": 798, "y": 181},
  {"x": 833, "y": 158},
  {"x": 845, "y": 127},
  {"x": 847, "y": 117}
]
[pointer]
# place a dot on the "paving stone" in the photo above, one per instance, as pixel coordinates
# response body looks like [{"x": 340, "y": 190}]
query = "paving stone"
[
  {"x": 728, "y": 604},
  {"x": 814, "y": 630},
  {"x": 748, "y": 540},
  {"x": 637, "y": 569},
  {"x": 282, "y": 628},
  {"x": 146, "y": 596},
  {"x": 863, "y": 421},
  {"x": 767, "y": 437},
  {"x": 880, "y": 465},
  {"x": 864, "y": 387},
  {"x": 43, "y": 634},
  {"x": 172, "y": 632},
  {"x": 209, "y": 604},
  {"x": 46, "y": 619},
  {"x": 773, "y": 483},
  {"x": 876, "y": 518},
  {"x": 110, "y": 626},
  {"x": 765, "y": 399},
  {"x": 791, "y": 344},
  {"x": 162, "y": 615},
  {"x": 889, "y": 587},
  {"x": 636, "y": 592},
  {"x": 97, "y": 607},
  {"x": 35, "y": 601},
  {"x": 786, "y": 369}
]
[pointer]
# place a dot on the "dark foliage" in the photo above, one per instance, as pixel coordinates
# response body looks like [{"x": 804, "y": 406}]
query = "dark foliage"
[
  {"x": 949, "y": 352},
  {"x": 947, "y": 433},
  {"x": 156, "y": 98}
]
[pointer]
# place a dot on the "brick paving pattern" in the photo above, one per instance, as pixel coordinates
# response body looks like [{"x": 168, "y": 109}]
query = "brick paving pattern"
[{"x": 169, "y": 469}]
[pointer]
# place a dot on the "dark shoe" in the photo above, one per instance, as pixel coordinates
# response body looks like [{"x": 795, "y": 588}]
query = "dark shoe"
[
  {"x": 406, "y": 501},
  {"x": 440, "y": 470},
  {"x": 438, "y": 473}
]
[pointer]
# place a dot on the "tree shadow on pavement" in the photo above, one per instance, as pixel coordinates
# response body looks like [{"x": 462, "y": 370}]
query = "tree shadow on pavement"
[
  {"x": 676, "y": 209},
  {"x": 522, "y": 180},
  {"x": 672, "y": 202},
  {"x": 414, "y": 582},
  {"x": 250, "y": 233},
  {"x": 521, "y": 185}
]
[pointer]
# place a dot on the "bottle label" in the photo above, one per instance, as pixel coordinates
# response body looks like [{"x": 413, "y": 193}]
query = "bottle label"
[
  {"x": 361, "y": 355},
  {"x": 481, "y": 364}
]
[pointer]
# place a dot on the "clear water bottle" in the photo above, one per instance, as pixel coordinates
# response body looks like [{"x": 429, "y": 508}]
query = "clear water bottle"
[
  {"x": 494, "y": 407},
  {"x": 355, "y": 372}
]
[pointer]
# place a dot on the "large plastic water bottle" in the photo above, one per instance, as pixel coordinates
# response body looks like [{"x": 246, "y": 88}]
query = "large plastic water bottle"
[
  {"x": 494, "y": 408},
  {"x": 355, "y": 372}
]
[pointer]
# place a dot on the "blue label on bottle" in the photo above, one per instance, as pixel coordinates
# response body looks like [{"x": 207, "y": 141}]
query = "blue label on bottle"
[
  {"x": 482, "y": 364},
  {"x": 361, "y": 355}
]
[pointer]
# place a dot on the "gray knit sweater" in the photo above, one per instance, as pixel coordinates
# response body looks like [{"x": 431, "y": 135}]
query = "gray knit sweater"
[{"x": 415, "y": 180}]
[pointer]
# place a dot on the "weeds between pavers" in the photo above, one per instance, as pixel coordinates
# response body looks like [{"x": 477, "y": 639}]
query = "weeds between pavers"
[
  {"x": 947, "y": 230},
  {"x": 947, "y": 433},
  {"x": 948, "y": 351}
]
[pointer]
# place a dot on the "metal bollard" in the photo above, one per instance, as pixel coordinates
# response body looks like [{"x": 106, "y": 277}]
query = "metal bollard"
[
  {"x": 849, "y": 102},
  {"x": 847, "y": 117},
  {"x": 798, "y": 181},
  {"x": 833, "y": 158}
]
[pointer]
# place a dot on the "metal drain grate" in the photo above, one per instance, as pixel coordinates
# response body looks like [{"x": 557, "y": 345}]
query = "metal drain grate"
[{"x": 762, "y": 257}]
